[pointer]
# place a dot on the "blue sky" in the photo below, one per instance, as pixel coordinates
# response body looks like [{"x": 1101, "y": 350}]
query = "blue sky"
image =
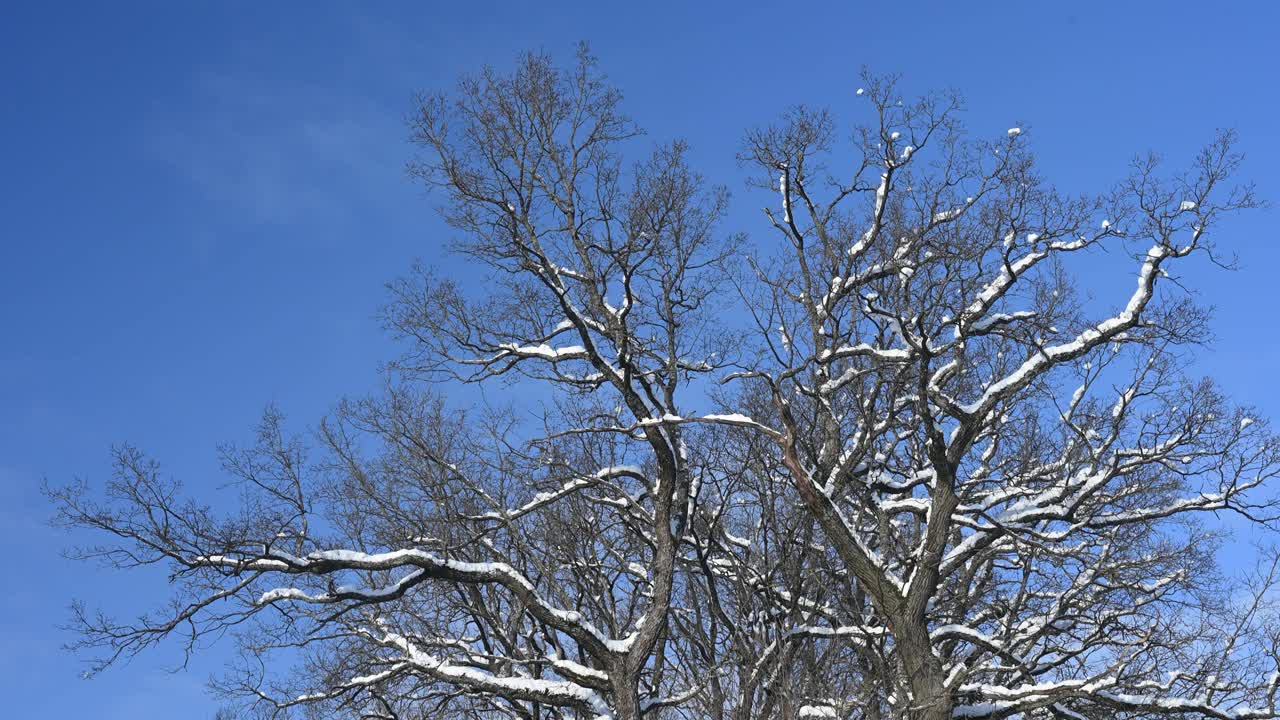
[{"x": 200, "y": 203}]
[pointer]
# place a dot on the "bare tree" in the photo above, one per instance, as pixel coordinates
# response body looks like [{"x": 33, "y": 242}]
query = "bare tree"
[{"x": 885, "y": 462}]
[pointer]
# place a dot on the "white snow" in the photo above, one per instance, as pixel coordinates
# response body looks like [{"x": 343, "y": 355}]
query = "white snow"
[
  {"x": 730, "y": 418},
  {"x": 1015, "y": 131},
  {"x": 782, "y": 188},
  {"x": 882, "y": 192},
  {"x": 469, "y": 676},
  {"x": 1102, "y": 332},
  {"x": 1187, "y": 205},
  {"x": 945, "y": 215},
  {"x": 545, "y": 351}
]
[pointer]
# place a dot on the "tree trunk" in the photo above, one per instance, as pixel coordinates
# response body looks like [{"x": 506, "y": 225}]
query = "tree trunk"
[{"x": 626, "y": 699}]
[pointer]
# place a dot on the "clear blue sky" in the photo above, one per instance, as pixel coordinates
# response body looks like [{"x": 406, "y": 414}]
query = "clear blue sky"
[{"x": 200, "y": 201}]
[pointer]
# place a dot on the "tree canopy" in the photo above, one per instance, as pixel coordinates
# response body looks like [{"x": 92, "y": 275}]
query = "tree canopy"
[{"x": 882, "y": 460}]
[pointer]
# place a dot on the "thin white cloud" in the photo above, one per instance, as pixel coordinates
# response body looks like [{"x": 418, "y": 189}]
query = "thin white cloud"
[{"x": 279, "y": 155}]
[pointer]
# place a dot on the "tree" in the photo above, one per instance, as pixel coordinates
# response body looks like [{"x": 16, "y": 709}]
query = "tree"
[{"x": 932, "y": 483}]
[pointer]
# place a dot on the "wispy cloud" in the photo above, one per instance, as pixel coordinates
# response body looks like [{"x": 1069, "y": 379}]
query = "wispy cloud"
[{"x": 279, "y": 154}]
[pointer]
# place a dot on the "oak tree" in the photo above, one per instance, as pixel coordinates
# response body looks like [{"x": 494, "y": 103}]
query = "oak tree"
[{"x": 883, "y": 459}]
